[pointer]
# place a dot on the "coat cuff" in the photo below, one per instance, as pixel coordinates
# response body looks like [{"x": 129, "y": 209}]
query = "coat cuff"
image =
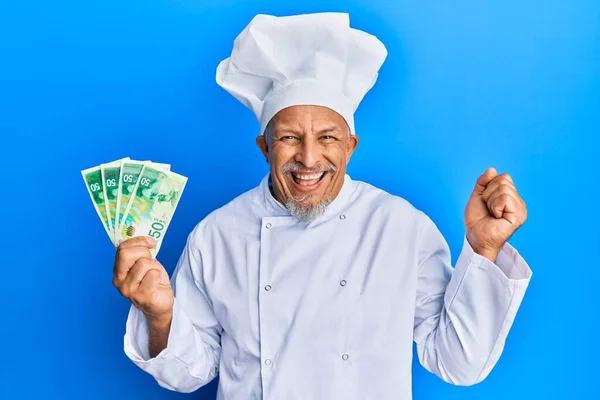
[
  {"x": 179, "y": 345},
  {"x": 509, "y": 267}
]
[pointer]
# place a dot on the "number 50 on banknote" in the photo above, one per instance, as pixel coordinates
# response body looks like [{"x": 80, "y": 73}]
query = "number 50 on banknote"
[{"x": 134, "y": 198}]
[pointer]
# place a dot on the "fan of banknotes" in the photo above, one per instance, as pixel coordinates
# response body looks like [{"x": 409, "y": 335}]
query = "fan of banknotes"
[{"x": 134, "y": 198}]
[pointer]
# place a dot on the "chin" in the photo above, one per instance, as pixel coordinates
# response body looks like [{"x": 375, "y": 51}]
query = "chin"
[
  {"x": 307, "y": 211},
  {"x": 309, "y": 190}
]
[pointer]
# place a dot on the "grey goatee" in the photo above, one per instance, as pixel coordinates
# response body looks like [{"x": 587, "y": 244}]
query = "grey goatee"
[
  {"x": 300, "y": 207},
  {"x": 306, "y": 212}
]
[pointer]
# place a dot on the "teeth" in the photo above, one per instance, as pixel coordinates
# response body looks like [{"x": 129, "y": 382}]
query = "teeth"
[{"x": 308, "y": 177}]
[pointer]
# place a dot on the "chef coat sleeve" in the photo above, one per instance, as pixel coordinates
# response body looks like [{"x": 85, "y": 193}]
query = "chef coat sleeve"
[
  {"x": 192, "y": 355},
  {"x": 463, "y": 315}
]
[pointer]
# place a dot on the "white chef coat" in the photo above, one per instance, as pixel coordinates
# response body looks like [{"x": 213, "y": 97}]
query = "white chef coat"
[{"x": 283, "y": 309}]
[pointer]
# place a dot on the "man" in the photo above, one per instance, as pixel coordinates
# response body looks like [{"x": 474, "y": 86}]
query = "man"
[{"x": 312, "y": 285}]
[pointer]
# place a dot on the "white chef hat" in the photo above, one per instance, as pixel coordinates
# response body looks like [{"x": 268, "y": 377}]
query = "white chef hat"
[{"x": 310, "y": 59}]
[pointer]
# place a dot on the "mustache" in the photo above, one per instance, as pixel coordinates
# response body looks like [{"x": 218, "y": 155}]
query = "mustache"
[{"x": 299, "y": 167}]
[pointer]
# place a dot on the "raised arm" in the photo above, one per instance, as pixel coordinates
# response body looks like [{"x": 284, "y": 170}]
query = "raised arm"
[{"x": 463, "y": 315}]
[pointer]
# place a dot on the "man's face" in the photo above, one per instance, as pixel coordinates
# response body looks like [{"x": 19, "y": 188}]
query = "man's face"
[{"x": 308, "y": 148}]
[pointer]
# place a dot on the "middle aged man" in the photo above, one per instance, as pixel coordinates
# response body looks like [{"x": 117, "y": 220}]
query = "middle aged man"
[{"x": 312, "y": 285}]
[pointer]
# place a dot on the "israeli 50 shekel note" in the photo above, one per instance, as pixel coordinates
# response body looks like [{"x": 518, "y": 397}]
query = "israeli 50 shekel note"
[
  {"x": 151, "y": 209},
  {"x": 130, "y": 172},
  {"x": 110, "y": 178},
  {"x": 93, "y": 182}
]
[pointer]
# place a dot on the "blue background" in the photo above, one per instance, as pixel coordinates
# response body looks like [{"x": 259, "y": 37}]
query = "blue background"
[{"x": 467, "y": 85}]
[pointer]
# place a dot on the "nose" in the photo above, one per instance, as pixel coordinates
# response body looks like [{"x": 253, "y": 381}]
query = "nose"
[{"x": 309, "y": 154}]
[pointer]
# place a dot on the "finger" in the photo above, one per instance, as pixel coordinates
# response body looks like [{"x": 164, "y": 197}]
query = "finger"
[
  {"x": 125, "y": 259},
  {"x": 149, "y": 284},
  {"x": 137, "y": 273},
  {"x": 501, "y": 190},
  {"x": 496, "y": 185},
  {"x": 483, "y": 180},
  {"x": 502, "y": 178},
  {"x": 507, "y": 177},
  {"x": 145, "y": 241},
  {"x": 507, "y": 207}
]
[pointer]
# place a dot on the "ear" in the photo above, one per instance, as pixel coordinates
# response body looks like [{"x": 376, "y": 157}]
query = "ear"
[
  {"x": 261, "y": 142},
  {"x": 352, "y": 144}
]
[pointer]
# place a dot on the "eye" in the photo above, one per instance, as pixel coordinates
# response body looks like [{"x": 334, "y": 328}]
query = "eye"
[
  {"x": 289, "y": 138},
  {"x": 327, "y": 137}
]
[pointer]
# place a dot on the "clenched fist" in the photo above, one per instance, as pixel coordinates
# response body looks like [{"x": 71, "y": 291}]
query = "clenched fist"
[
  {"x": 142, "y": 279},
  {"x": 494, "y": 212}
]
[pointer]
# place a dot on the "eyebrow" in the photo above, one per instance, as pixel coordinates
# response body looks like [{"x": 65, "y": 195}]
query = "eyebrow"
[{"x": 322, "y": 131}]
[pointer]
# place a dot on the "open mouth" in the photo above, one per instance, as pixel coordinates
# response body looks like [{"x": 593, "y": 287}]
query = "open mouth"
[{"x": 307, "y": 180}]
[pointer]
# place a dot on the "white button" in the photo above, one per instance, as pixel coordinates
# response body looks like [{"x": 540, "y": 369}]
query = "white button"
[
  {"x": 268, "y": 287},
  {"x": 267, "y": 362},
  {"x": 268, "y": 226},
  {"x": 342, "y": 216},
  {"x": 345, "y": 357},
  {"x": 343, "y": 282}
]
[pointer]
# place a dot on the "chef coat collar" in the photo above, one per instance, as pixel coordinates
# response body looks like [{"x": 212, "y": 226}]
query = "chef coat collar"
[{"x": 274, "y": 208}]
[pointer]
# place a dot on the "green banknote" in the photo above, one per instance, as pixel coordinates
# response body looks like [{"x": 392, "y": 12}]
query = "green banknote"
[
  {"x": 95, "y": 187},
  {"x": 151, "y": 208},
  {"x": 130, "y": 172},
  {"x": 110, "y": 178}
]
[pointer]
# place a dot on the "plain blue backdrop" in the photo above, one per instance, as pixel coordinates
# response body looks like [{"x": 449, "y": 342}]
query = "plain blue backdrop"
[{"x": 467, "y": 85}]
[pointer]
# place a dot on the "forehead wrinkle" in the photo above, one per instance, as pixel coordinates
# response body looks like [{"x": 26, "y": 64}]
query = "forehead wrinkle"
[
  {"x": 328, "y": 129},
  {"x": 287, "y": 130}
]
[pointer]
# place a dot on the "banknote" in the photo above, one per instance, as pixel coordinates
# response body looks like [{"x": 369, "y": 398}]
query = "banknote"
[
  {"x": 110, "y": 179},
  {"x": 130, "y": 172},
  {"x": 151, "y": 207},
  {"x": 134, "y": 198},
  {"x": 93, "y": 181}
]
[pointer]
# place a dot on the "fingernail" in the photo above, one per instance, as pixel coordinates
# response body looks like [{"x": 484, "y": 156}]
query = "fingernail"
[{"x": 151, "y": 241}]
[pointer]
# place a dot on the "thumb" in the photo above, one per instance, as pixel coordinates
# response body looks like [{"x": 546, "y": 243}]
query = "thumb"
[{"x": 484, "y": 180}]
